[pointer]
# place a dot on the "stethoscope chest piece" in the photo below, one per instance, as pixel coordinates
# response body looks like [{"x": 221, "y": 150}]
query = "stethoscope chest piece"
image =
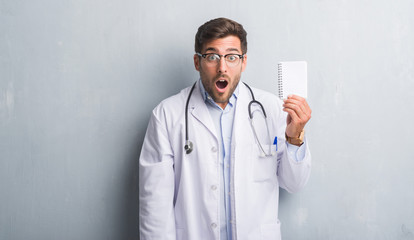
[{"x": 188, "y": 147}]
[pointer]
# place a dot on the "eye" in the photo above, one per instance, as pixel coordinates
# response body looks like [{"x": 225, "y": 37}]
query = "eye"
[
  {"x": 232, "y": 57},
  {"x": 212, "y": 57}
]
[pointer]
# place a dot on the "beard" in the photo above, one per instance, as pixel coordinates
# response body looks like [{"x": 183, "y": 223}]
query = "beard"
[{"x": 210, "y": 85}]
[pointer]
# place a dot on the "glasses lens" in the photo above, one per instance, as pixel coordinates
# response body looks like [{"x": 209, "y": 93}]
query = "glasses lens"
[
  {"x": 213, "y": 59},
  {"x": 232, "y": 60}
]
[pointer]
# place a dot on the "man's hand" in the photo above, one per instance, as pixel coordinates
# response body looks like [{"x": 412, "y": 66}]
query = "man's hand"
[{"x": 299, "y": 114}]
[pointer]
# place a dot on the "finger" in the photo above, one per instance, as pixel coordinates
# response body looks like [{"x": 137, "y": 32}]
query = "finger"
[
  {"x": 302, "y": 103},
  {"x": 299, "y": 110},
  {"x": 307, "y": 107},
  {"x": 293, "y": 115},
  {"x": 296, "y": 97},
  {"x": 288, "y": 119},
  {"x": 302, "y": 118},
  {"x": 293, "y": 102}
]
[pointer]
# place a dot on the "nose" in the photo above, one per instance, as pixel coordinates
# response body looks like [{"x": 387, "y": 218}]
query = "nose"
[{"x": 222, "y": 65}]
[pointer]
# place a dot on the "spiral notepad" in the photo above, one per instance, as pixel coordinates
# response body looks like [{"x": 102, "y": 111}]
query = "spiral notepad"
[{"x": 292, "y": 78}]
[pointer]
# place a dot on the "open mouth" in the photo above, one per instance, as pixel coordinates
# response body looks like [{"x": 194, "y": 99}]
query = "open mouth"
[{"x": 221, "y": 84}]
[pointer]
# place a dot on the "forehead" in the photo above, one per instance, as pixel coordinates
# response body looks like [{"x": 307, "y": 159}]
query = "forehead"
[{"x": 227, "y": 44}]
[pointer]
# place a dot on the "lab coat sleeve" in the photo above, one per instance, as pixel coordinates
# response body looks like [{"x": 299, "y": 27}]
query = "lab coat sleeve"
[
  {"x": 294, "y": 152},
  {"x": 294, "y": 171},
  {"x": 156, "y": 183},
  {"x": 293, "y": 167}
]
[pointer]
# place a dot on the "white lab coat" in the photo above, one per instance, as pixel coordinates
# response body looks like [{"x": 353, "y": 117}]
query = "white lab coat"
[{"x": 179, "y": 193}]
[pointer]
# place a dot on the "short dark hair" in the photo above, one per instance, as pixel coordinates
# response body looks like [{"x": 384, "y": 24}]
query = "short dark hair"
[{"x": 220, "y": 28}]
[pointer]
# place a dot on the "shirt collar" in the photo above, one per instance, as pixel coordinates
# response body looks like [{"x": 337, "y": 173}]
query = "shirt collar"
[{"x": 207, "y": 98}]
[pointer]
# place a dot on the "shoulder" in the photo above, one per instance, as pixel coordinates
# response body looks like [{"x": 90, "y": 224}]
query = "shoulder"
[
  {"x": 266, "y": 97},
  {"x": 172, "y": 104}
]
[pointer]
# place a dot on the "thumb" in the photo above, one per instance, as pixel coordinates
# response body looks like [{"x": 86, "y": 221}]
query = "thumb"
[{"x": 288, "y": 119}]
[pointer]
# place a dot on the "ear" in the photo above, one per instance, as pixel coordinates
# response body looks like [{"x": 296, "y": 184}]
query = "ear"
[
  {"x": 244, "y": 62},
  {"x": 197, "y": 62}
]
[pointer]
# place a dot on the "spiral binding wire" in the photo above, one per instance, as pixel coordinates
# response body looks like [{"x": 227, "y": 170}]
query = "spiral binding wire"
[{"x": 280, "y": 80}]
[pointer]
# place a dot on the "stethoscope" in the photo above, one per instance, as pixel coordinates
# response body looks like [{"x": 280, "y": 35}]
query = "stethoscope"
[{"x": 188, "y": 147}]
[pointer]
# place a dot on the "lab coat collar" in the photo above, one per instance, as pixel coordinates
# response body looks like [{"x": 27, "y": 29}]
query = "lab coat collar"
[{"x": 199, "y": 110}]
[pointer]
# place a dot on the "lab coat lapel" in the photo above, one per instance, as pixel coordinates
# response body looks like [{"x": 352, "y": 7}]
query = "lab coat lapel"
[
  {"x": 199, "y": 110},
  {"x": 241, "y": 118}
]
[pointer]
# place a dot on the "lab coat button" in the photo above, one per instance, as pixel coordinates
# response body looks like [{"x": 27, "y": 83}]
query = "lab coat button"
[
  {"x": 213, "y": 225},
  {"x": 214, "y": 149},
  {"x": 213, "y": 187}
]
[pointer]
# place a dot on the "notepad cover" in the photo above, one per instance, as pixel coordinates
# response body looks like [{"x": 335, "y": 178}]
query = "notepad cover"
[{"x": 292, "y": 79}]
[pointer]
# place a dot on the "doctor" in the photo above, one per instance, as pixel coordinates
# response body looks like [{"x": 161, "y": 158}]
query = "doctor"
[{"x": 222, "y": 180}]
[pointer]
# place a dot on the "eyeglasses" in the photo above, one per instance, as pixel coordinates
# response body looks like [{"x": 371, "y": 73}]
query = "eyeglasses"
[{"x": 213, "y": 59}]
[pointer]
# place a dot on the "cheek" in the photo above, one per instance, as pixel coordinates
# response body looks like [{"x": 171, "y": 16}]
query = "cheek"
[{"x": 209, "y": 73}]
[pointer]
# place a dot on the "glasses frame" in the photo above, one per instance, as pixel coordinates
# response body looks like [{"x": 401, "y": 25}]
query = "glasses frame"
[{"x": 241, "y": 56}]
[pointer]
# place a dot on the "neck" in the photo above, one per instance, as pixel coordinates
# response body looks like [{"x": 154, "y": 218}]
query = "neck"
[{"x": 222, "y": 105}]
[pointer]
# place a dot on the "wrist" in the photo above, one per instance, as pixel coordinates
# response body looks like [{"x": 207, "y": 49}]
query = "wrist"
[{"x": 298, "y": 140}]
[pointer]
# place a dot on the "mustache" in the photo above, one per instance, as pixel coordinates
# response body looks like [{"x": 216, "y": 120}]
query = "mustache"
[{"x": 222, "y": 76}]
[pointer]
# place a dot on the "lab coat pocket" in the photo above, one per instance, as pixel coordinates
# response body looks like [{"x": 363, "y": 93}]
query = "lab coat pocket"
[
  {"x": 264, "y": 167},
  {"x": 271, "y": 231}
]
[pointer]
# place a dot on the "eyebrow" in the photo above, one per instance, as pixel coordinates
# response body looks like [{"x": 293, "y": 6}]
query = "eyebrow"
[{"x": 228, "y": 49}]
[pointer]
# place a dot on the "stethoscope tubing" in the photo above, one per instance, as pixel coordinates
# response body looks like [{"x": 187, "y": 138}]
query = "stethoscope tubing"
[
  {"x": 254, "y": 101},
  {"x": 188, "y": 147}
]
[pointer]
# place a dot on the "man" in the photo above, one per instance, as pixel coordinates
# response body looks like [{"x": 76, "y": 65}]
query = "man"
[{"x": 222, "y": 181}]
